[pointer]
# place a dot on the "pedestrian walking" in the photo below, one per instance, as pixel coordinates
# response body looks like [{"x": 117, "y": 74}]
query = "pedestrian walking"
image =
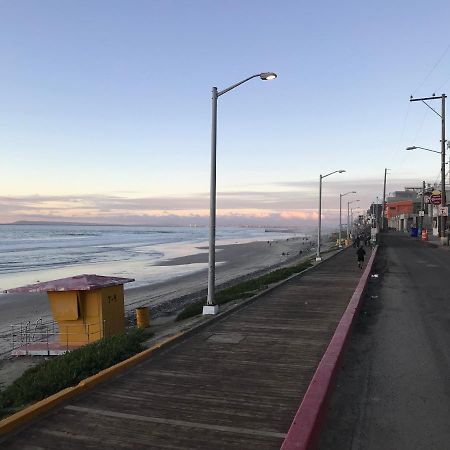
[{"x": 360, "y": 254}]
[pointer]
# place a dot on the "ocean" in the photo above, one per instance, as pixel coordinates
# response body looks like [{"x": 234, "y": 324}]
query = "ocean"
[{"x": 32, "y": 253}]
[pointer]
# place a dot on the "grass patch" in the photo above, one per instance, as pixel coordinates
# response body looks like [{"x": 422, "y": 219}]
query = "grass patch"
[
  {"x": 245, "y": 289},
  {"x": 68, "y": 370}
]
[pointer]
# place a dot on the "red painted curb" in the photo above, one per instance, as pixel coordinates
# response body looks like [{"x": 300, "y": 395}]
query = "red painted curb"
[{"x": 305, "y": 429}]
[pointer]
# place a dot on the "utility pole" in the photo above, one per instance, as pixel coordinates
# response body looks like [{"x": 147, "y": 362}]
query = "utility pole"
[
  {"x": 384, "y": 201},
  {"x": 443, "y": 140},
  {"x": 422, "y": 202},
  {"x": 423, "y": 205},
  {"x": 377, "y": 220}
]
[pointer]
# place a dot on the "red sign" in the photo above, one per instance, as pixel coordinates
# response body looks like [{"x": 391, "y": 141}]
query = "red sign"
[{"x": 436, "y": 199}]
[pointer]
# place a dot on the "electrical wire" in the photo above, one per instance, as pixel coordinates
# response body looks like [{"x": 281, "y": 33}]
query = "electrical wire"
[
  {"x": 426, "y": 114},
  {"x": 443, "y": 84},
  {"x": 432, "y": 69}
]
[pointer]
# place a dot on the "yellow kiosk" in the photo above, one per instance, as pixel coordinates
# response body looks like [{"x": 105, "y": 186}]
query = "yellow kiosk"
[{"x": 85, "y": 307}]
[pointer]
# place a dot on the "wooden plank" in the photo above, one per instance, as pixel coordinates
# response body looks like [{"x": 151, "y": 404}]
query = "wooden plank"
[{"x": 201, "y": 392}]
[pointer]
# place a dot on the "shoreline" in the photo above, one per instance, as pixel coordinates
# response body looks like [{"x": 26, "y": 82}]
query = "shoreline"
[
  {"x": 235, "y": 263},
  {"x": 165, "y": 305}
]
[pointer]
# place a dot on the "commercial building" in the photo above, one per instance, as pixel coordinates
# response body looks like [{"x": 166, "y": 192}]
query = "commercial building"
[{"x": 403, "y": 209}]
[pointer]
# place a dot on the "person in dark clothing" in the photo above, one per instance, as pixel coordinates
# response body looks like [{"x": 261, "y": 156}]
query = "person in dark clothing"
[{"x": 360, "y": 254}]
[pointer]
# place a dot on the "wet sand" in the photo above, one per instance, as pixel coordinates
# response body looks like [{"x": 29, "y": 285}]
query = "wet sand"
[{"x": 234, "y": 262}]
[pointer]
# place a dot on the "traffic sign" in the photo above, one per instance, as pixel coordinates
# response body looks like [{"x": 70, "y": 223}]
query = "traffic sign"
[
  {"x": 436, "y": 198},
  {"x": 421, "y": 213},
  {"x": 443, "y": 211}
]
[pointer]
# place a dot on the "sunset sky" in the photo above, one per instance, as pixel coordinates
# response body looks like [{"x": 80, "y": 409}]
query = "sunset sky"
[{"x": 105, "y": 107}]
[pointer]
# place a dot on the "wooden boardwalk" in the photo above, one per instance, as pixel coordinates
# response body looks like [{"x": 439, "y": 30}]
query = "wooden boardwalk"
[{"x": 235, "y": 384}]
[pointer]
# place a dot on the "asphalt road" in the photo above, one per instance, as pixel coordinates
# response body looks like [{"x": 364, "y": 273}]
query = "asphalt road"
[{"x": 393, "y": 391}]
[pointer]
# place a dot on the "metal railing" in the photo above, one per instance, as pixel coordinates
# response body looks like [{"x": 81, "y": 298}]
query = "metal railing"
[{"x": 26, "y": 335}]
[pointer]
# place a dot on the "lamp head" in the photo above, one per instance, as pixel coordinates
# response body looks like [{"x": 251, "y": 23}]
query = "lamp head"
[
  {"x": 267, "y": 75},
  {"x": 341, "y": 171},
  {"x": 411, "y": 148}
]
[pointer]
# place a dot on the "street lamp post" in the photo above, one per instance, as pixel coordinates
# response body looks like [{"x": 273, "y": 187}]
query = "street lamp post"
[
  {"x": 384, "y": 201},
  {"x": 340, "y": 215},
  {"x": 358, "y": 210},
  {"x": 351, "y": 220},
  {"x": 319, "y": 231},
  {"x": 348, "y": 217},
  {"x": 377, "y": 220},
  {"x": 211, "y": 307}
]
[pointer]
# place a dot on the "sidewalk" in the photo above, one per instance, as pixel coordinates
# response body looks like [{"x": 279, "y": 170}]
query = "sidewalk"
[
  {"x": 393, "y": 389},
  {"x": 235, "y": 384}
]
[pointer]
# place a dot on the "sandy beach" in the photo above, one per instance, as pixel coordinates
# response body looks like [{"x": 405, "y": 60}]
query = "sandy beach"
[{"x": 234, "y": 262}]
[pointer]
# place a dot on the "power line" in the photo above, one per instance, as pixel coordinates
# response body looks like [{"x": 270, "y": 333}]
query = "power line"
[
  {"x": 432, "y": 69},
  {"x": 443, "y": 85}
]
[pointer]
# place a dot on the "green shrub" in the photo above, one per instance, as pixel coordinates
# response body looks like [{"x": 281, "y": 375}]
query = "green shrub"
[
  {"x": 245, "y": 289},
  {"x": 68, "y": 370}
]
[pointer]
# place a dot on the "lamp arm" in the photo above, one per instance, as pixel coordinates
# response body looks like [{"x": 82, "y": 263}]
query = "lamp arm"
[
  {"x": 236, "y": 85},
  {"x": 429, "y": 150},
  {"x": 328, "y": 174}
]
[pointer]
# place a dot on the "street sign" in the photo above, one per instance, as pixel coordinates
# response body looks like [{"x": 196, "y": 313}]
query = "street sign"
[
  {"x": 443, "y": 211},
  {"x": 436, "y": 198},
  {"x": 421, "y": 213}
]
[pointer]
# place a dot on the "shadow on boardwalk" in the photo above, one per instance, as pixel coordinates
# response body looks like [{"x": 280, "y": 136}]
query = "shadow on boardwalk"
[{"x": 235, "y": 384}]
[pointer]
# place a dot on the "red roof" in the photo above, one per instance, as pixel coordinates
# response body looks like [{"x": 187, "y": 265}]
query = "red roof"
[{"x": 77, "y": 283}]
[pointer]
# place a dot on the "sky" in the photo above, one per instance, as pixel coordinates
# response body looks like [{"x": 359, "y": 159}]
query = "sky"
[{"x": 105, "y": 107}]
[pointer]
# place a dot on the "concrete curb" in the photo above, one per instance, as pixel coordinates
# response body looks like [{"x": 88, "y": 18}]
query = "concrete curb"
[
  {"x": 39, "y": 408},
  {"x": 31, "y": 412},
  {"x": 305, "y": 429}
]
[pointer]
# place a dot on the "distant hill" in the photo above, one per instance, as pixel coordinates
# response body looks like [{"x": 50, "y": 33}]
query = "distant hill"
[
  {"x": 87, "y": 224},
  {"x": 49, "y": 222}
]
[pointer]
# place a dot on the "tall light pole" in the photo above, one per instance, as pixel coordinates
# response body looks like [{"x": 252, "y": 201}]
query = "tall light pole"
[
  {"x": 352, "y": 219},
  {"x": 319, "y": 231},
  {"x": 443, "y": 140},
  {"x": 340, "y": 215},
  {"x": 348, "y": 217},
  {"x": 384, "y": 200},
  {"x": 377, "y": 220},
  {"x": 211, "y": 307}
]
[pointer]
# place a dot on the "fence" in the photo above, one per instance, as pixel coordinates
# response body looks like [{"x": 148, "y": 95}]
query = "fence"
[{"x": 46, "y": 338}]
